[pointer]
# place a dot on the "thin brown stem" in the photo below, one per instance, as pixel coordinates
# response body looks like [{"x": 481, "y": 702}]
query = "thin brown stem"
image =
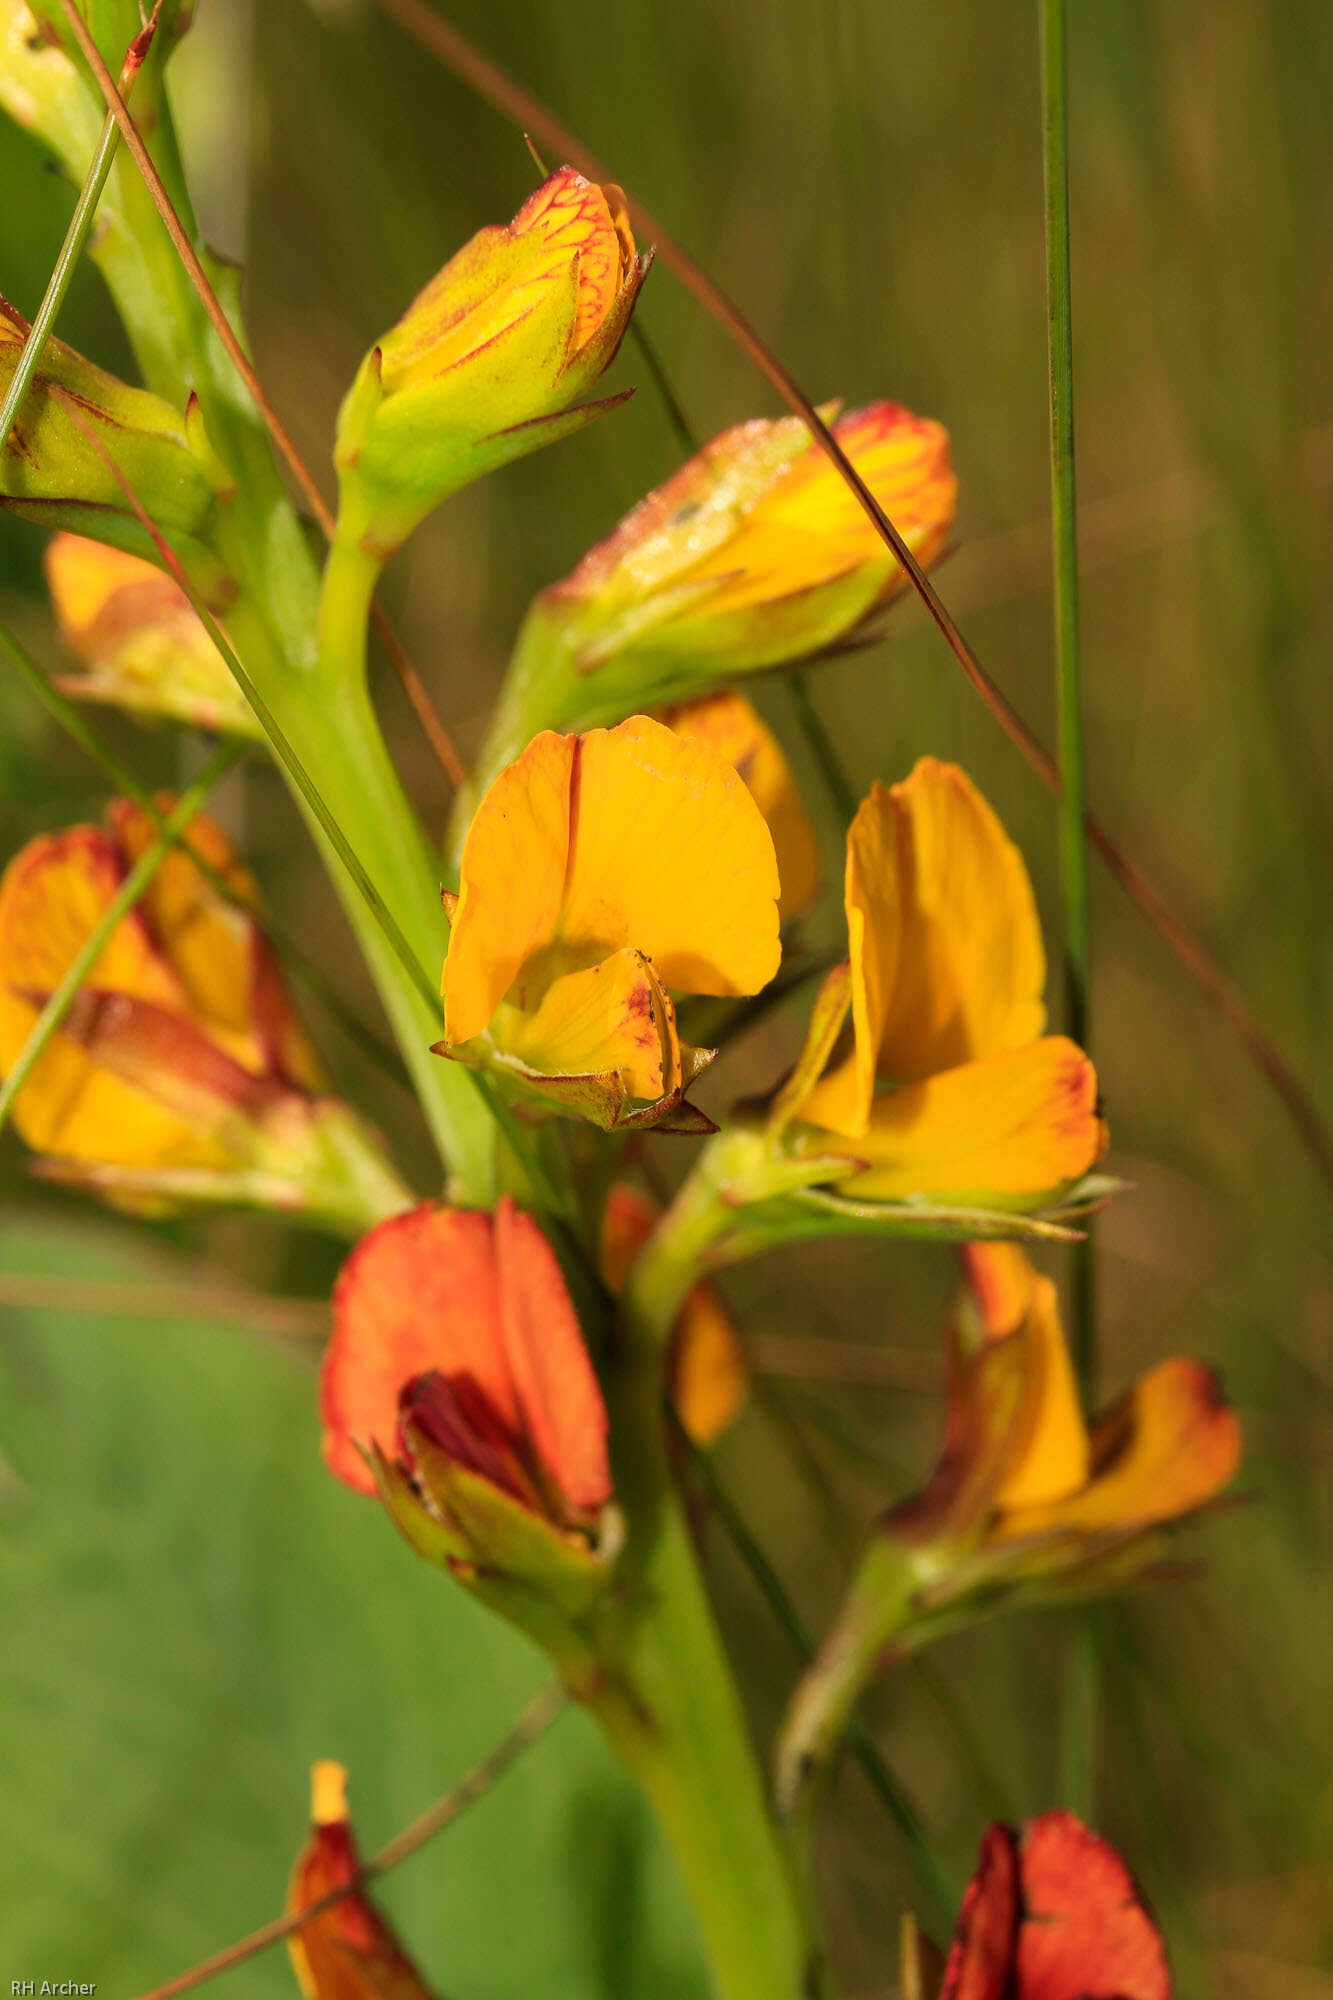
[
  {"x": 535, "y": 1720},
  {"x": 441, "y": 39},
  {"x": 427, "y": 714}
]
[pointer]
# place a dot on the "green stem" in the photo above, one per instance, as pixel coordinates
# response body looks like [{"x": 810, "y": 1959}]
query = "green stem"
[
  {"x": 667, "y": 1699},
  {"x": 1079, "y": 1735},
  {"x": 124, "y": 900},
  {"x": 881, "y": 1780},
  {"x": 58, "y": 283},
  {"x": 822, "y": 747}
]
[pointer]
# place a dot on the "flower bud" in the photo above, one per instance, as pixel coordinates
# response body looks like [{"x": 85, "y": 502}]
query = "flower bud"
[
  {"x": 346, "y": 1951},
  {"x": 490, "y": 360},
  {"x": 76, "y": 424},
  {"x": 457, "y": 1384},
  {"x": 138, "y": 641},
  {"x": 1052, "y": 1913},
  {"x": 181, "y": 1074},
  {"x": 755, "y": 554}
]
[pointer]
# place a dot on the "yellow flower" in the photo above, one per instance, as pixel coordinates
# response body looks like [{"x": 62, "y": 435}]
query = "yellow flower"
[
  {"x": 489, "y": 361},
  {"x": 1022, "y": 1467},
  {"x": 138, "y": 641},
  {"x": 181, "y": 1072},
  {"x": 951, "y": 1090},
  {"x": 600, "y": 874},
  {"x": 733, "y": 728}
]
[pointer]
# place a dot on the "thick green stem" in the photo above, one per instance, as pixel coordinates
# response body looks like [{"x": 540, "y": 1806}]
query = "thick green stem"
[
  {"x": 668, "y": 1701},
  {"x": 330, "y": 722}
]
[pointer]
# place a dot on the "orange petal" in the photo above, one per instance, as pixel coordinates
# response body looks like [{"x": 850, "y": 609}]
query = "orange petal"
[
  {"x": 420, "y": 1292},
  {"x": 810, "y": 528},
  {"x": 732, "y": 726},
  {"x": 1166, "y": 1448},
  {"x": 947, "y": 959},
  {"x": 347, "y": 1952},
  {"x": 1001, "y": 1132},
  {"x": 1001, "y": 1281},
  {"x": 558, "y": 1398},
  {"x": 463, "y": 1294},
  {"x": 981, "y": 1957},
  {"x": 1085, "y": 1934}
]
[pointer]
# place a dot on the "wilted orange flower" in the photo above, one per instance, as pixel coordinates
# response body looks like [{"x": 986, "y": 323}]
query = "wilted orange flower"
[
  {"x": 755, "y": 554},
  {"x": 1020, "y": 1460},
  {"x": 707, "y": 1375},
  {"x": 733, "y": 728},
  {"x": 1052, "y": 1913},
  {"x": 454, "y": 1328},
  {"x": 137, "y": 639},
  {"x": 600, "y": 873},
  {"x": 951, "y": 1090},
  {"x": 181, "y": 1071},
  {"x": 347, "y": 1952},
  {"x": 491, "y": 359}
]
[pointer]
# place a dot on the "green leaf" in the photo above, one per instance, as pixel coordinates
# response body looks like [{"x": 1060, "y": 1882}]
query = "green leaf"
[{"x": 194, "y": 1611}]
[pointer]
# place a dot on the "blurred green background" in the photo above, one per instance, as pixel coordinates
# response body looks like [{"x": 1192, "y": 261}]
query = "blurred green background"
[{"x": 189, "y": 1610}]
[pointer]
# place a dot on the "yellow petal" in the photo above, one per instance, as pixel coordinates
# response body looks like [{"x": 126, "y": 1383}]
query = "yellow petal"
[
  {"x": 733, "y": 728},
  {"x": 584, "y": 846},
  {"x": 512, "y": 873},
  {"x": 52, "y": 896},
  {"x": 1051, "y": 1460},
  {"x": 1001, "y": 1281},
  {"x": 1009, "y": 1128},
  {"x": 605, "y": 1019},
  {"x": 1165, "y": 1449},
  {"x": 947, "y": 959}
]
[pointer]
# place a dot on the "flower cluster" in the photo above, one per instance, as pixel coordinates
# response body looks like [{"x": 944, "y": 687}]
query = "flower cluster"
[{"x": 632, "y": 844}]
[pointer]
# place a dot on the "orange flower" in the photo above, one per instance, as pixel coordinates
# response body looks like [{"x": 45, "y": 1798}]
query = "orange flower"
[
  {"x": 454, "y": 1328},
  {"x": 1021, "y": 1467},
  {"x": 590, "y": 890},
  {"x": 347, "y": 1952},
  {"x": 181, "y": 1072},
  {"x": 137, "y": 639},
  {"x": 1052, "y": 1913},
  {"x": 489, "y": 361},
  {"x": 732, "y": 727},
  {"x": 707, "y": 1374},
  {"x": 944, "y": 985}
]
